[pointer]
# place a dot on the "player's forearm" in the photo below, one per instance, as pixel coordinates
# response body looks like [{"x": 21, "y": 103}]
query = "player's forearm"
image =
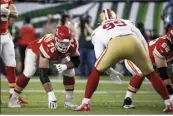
[
  {"x": 13, "y": 11},
  {"x": 74, "y": 63}
]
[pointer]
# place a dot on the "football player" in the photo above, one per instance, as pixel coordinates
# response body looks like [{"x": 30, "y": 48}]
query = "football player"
[
  {"x": 59, "y": 47},
  {"x": 114, "y": 40},
  {"x": 8, "y": 10},
  {"x": 160, "y": 51}
]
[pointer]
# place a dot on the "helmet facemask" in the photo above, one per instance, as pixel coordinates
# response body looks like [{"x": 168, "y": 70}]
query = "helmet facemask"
[{"x": 63, "y": 45}]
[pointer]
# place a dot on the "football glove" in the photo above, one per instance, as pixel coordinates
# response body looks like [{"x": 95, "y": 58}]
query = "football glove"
[
  {"x": 52, "y": 104},
  {"x": 114, "y": 75},
  {"x": 61, "y": 67},
  {"x": 5, "y": 11}
]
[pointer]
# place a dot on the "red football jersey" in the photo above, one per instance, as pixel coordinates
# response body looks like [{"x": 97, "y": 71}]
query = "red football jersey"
[
  {"x": 160, "y": 47},
  {"x": 3, "y": 18},
  {"x": 46, "y": 46}
]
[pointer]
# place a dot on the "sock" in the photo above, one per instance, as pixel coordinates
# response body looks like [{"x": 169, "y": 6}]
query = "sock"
[
  {"x": 86, "y": 101},
  {"x": 69, "y": 96},
  {"x": 129, "y": 94},
  {"x": 21, "y": 83},
  {"x": 92, "y": 83},
  {"x": 158, "y": 85},
  {"x": 167, "y": 102},
  {"x": 135, "y": 83},
  {"x": 15, "y": 95},
  {"x": 11, "y": 90},
  {"x": 11, "y": 76}
]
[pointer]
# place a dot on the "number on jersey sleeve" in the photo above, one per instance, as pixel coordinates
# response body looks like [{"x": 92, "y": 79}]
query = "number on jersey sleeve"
[
  {"x": 47, "y": 47},
  {"x": 162, "y": 50}
]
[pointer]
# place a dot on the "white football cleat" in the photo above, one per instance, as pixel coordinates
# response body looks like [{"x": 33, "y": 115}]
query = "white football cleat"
[
  {"x": 13, "y": 103},
  {"x": 70, "y": 105}
]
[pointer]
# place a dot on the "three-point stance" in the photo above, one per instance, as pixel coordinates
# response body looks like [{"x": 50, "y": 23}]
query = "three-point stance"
[
  {"x": 115, "y": 40},
  {"x": 59, "y": 47}
]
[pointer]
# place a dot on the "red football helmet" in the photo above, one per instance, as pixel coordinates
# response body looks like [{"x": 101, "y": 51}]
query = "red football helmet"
[
  {"x": 63, "y": 38},
  {"x": 170, "y": 34}
]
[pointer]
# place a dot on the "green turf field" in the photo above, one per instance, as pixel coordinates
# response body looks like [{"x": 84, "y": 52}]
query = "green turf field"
[{"x": 107, "y": 99}]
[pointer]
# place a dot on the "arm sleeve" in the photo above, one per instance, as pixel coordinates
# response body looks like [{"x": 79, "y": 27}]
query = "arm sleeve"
[
  {"x": 137, "y": 32},
  {"x": 98, "y": 48}
]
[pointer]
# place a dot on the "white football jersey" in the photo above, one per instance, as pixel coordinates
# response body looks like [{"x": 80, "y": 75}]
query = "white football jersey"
[{"x": 113, "y": 28}]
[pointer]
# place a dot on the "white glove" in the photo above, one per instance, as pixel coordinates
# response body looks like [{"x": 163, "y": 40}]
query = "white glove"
[
  {"x": 52, "y": 104},
  {"x": 61, "y": 67},
  {"x": 5, "y": 11},
  {"x": 114, "y": 75}
]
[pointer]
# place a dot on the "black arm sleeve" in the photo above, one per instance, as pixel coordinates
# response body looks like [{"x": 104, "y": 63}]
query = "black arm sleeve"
[
  {"x": 163, "y": 73},
  {"x": 44, "y": 75},
  {"x": 75, "y": 60}
]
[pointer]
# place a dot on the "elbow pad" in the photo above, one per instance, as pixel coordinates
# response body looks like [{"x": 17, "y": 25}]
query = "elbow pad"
[
  {"x": 75, "y": 60},
  {"x": 44, "y": 75},
  {"x": 163, "y": 73}
]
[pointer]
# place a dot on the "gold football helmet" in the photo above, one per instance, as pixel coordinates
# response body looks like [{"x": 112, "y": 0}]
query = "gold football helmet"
[{"x": 106, "y": 14}]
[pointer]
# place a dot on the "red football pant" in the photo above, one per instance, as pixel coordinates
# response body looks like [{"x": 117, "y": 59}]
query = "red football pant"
[
  {"x": 92, "y": 83},
  {"x": 158, "y": 85}
]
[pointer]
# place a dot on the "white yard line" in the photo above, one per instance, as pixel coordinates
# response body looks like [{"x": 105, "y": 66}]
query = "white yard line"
[
  {"x": 78, "y": 81},
  {"x": 79, "y": 91}
]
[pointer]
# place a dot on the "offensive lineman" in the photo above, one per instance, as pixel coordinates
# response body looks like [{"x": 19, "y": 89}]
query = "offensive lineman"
[
  {"x": 115, "y": 40},
  {"x": 160, "y": 51},
  {"x": 8, "y": 10},
  {"x": 51, "y": 47}
]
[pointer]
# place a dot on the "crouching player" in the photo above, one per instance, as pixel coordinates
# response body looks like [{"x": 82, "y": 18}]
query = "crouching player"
[
  {"x": 115, "y": 40},
  {"x": 160, "y": 51},
  {"x": 52, "y": 47}
]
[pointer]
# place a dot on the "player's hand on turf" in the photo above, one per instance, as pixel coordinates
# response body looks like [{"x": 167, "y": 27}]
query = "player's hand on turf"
[
  {"x": 52, "y": 104},
  {"x": 61, "y": 67},
  {"x": 115, "y": 76}
]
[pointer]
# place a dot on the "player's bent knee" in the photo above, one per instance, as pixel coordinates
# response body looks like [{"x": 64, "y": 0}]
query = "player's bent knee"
[
  {"x": 29, "y": 73},
  {"x": 69, "y": 73}
]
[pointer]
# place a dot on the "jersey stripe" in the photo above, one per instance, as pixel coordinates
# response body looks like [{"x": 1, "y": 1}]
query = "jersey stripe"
[
  {"x": 43, "y": 52},
  {"x": 132, "y": 66},
  {"x": 100, "y": 57}
]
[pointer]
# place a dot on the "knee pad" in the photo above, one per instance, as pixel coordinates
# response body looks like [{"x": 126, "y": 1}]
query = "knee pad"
[{"x": 69, "y": 73}]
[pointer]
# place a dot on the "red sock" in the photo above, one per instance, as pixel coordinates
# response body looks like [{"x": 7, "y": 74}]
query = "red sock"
[
  {"x": 158, "y": 85},
  {"x": 92, "y": 83},
  {"x": 11, "y": 76},
  {"x": 22, "y": 81},
  {"x": 135, "y": 83},
  {"x": 68, "y": 83}
]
